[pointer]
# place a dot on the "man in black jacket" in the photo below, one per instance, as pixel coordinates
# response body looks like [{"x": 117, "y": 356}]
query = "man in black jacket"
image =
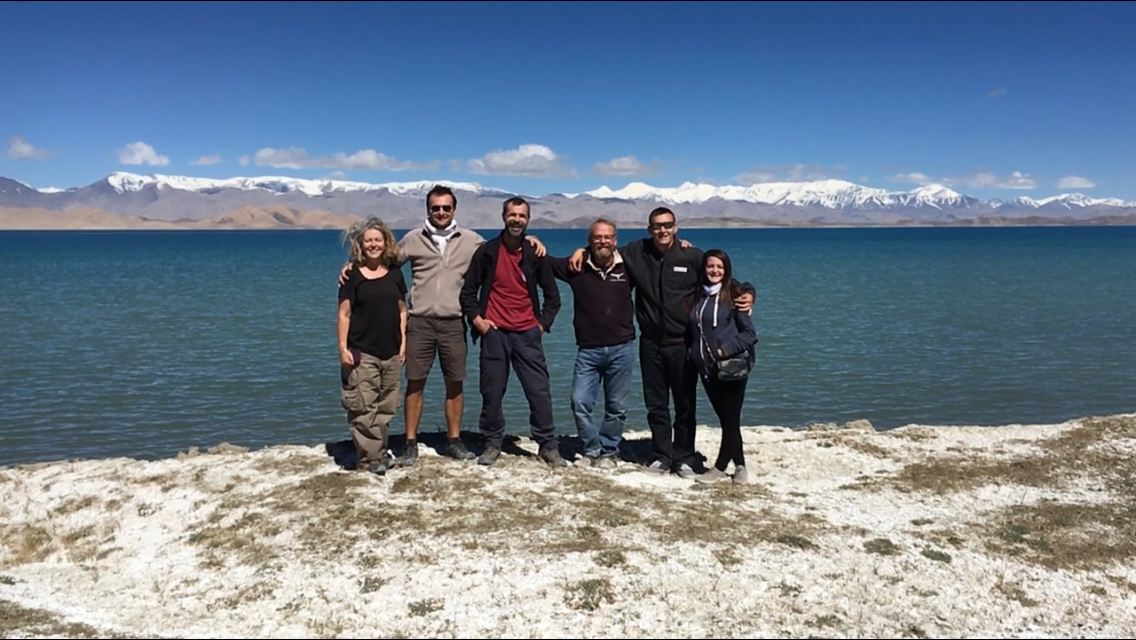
[
  {"x": 500, "y": 299},
  {"x": 604, "y": 321},
  {"x": 666, "y": 275}
]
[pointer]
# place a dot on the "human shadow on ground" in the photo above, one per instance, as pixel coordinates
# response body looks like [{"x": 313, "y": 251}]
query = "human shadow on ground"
[{"x": 635, "y": 450}]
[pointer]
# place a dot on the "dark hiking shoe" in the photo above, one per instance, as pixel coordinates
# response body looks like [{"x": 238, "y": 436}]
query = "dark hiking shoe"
[
  {"x": 410, "y": 456},
  {"x": 456, "y": 450},
  {"x": 381, "y": 467},
  {"x": 489, "y": 457},
  {"x": 552, "y": 456}
]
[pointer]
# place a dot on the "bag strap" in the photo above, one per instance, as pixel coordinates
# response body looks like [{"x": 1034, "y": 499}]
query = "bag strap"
[{"x": 702, "y": 332}]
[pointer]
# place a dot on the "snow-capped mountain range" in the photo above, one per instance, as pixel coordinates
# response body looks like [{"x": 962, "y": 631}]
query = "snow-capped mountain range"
[{"x": 166, "y": 197}]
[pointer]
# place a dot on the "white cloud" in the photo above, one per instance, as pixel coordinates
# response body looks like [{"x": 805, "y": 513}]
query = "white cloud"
[
  {"x": 788, "y": 173},
  {"x": 298, "y": 158},
  {"x": 20, "y": 149},
  {"x": 527, "y": 160},
  {"x": 1075, "y": 182},
  {"x": 979, "y": 180},
  {"x": 915, "y": 177},
  {"x": 213, "y": 159},
  {"x": 244, "y": 160},
  {"x": 627, "y": 167},
  {"x": 141, "y": 153},
  {"x": 995, "y": 93}
]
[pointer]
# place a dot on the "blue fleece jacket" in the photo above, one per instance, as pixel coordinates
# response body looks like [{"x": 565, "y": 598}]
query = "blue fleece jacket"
[{"x": 722, "y": 327}]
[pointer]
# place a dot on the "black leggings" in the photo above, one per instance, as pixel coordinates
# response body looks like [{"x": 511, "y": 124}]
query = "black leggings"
[{"x": 727, "y": 399}]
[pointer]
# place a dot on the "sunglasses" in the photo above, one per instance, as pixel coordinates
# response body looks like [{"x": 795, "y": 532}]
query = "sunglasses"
[
  {"x": 662, "y": 225},
  {"x": 442, "y": 207}
]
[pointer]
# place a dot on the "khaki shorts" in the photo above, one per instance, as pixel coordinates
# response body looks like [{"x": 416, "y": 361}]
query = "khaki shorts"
[{"x": 427, "y": 336}]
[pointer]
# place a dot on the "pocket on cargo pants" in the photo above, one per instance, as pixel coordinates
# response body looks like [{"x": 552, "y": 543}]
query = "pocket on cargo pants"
[{"x": 351, "y": 396}]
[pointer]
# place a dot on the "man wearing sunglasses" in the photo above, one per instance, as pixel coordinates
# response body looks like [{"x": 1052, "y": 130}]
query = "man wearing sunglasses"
[{"x": 666, "y": 275}]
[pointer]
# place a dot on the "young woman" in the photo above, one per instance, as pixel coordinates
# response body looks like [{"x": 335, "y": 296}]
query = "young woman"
[
  {"x": 372, "y": 340},
  {"x": 717, "y": 332}
]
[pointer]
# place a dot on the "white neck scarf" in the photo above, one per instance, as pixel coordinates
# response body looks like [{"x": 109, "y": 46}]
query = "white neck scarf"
[
  {"x": 441, "y": 237},
  {"x": 711, "y": 290}
]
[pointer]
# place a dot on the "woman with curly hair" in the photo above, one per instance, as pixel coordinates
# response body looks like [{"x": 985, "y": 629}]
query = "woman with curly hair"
[{"x": 372, "y": 340}]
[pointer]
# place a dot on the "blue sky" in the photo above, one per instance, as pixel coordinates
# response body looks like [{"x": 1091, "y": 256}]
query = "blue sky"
[{"x": 995, "y": 99}]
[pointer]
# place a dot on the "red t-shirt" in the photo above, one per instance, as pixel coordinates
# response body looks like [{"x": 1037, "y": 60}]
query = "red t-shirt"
[{"x": 510, "y": 306}]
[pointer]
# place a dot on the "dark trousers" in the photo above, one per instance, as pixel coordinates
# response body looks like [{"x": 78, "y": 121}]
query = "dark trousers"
[
  {"x": 727, "y": 397},
  {"x": 523, "y": 351},
  {"x": 667, "y": 373}
]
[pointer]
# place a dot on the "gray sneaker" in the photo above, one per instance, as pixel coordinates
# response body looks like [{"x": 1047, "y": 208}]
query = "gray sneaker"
[
  {"x": 658, "y": 467},
  {"x": 489, "y": 457},
  {"x": 605, "y": 463},
  {"x": 584, "y": 462},
  {"x": 456, "y": 450},
  {"x": 711, "y": 476},
  {"x": 685, "y": 471},
  {"x": 741, "y": 476}
]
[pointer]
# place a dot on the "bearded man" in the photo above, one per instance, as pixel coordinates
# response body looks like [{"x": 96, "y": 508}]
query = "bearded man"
[{"x": 604, "y": 321}]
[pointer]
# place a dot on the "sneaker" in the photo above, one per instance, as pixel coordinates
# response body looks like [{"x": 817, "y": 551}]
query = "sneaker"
[
  {"x": 741, "y": 476},
  {"x": 685, "y": 471},
  {"x": 711, "y": 476},
  {"x": 658, "y": 467},
  {"x": 552, "y": 457},
  {"x": 584, "y": 462},
  {"x": 410, "y": 456},
  {"x": 606, "y": 463},
  {"x": 489, "y": 457},
  {"x": 456, "y": 450}
]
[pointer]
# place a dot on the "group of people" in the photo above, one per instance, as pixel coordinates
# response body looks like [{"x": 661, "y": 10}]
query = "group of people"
[{"x": 693, "y": 316}]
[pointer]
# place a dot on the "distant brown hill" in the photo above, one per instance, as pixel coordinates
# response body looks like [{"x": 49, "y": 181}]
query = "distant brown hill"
[{"x": 282, "y": 217}]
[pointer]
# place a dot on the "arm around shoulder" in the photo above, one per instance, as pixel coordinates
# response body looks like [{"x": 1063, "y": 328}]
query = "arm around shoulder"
[
  {"x": 471, "y": 287},
  {"x": 551, "y": 305}
]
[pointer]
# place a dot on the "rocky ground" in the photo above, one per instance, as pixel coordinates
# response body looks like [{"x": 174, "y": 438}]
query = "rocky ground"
[{"x": 1007, "y": 531}]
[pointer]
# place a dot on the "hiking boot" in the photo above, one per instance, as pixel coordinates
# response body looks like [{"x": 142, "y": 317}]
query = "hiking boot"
[
  {"x": 489, "y": 457},
  {"x": 658, "y": 467},
  {"x": 380, "y": 467},
  {"x": 741, "y": 476},
  {"x": 552, "y": 457},
  {"x": 605, "y": 463},
  {"x": 685, "y": 471},
  {"x": 711, "y": 476},
  {"x": 456, "y": 450},
  {"x": 410, "y": 456}
]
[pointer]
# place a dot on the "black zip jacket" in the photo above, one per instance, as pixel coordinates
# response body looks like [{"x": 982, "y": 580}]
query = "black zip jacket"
[
  {"x": 479, "y": 278},
  {"x": 668, "y": 281}
]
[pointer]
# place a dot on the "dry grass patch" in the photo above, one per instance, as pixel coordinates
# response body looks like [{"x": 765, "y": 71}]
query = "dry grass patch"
[
  {"x": 1066, "y": 536},
  {"x": 1055, "y": 533},
  {"x": 27, "y": 544},
  {"x": 866, "y": 444},
  {"x": 20, "y": 621}
]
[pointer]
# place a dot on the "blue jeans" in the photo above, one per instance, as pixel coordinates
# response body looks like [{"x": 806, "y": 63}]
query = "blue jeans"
[{"x": 611, "y": 366}]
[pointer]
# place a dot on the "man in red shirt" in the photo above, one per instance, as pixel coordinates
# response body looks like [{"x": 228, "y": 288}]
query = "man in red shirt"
[{"x": 500, "y": 298}]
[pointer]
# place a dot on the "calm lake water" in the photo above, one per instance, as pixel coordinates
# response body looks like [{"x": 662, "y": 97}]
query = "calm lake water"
[{"x": 142, "y": 343}]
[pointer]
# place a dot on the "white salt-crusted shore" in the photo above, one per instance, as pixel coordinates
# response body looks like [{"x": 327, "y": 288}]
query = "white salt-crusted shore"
[{"x": 1010, "y": 531}]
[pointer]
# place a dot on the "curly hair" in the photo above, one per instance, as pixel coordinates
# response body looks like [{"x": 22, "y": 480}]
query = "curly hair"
[{"x": 353, "y": 238}]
